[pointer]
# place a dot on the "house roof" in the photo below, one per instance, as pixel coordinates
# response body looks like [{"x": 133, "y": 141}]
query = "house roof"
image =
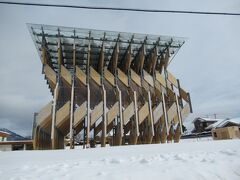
[
  {"x": 223, "y": 123},
  {"x": 4, "y": 134},
  {"x": 203, "y": 119}
]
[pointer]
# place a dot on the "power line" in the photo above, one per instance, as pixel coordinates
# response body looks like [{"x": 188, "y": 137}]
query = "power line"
[{"x": 123, "y": 9}]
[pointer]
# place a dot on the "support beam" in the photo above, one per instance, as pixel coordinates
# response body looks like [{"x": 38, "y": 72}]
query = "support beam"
[
  {"x": 101, "y": 57},
  {"x": 127, "y": 58},
  {"x": 153, "y": 61},
  {"x": 119, "y": 133},
  {"x": 179, "y": 115},
  {"x": 53, "y": 131},
  {"x": 139, "y": 60},
  {"x": 60, "y": 51},
  {"x": 104, "y": 119},
  {"x": 112, "y": 66},
  {"x": 150, "y": 113},
  {"x": 134, "y": 133},
  {"x": 165, "y": 113},
  {"x": 88, "y": 123}
]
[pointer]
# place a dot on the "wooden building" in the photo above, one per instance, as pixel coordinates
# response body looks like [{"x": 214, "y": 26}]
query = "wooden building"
[
  {"x": 230, "y": 132},
  {"x": 226, "y": 129},
  {"x": 111, "y": 85},
  {"x": 201, "y": 124}
]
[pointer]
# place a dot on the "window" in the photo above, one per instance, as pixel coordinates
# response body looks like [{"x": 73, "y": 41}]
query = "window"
[{"x": 215, "y": 134}]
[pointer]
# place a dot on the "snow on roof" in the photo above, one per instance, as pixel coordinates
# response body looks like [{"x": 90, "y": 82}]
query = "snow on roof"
[
  {"x": 223, "y": 122},
  {"x": 3, "y": 133},
  {"x": 206, "y": 119}
]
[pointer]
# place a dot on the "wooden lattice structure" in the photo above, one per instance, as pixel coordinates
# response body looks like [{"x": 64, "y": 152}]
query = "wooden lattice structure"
[{"x": 110, "y": 86}]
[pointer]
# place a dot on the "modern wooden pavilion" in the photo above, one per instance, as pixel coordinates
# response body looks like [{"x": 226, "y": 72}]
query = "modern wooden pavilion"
[{"x": 111, "y": 86}]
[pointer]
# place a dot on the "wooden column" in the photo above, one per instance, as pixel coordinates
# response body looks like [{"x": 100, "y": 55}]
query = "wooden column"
[
  {"x": 53, "y": 130},
  {"x": 150, "y": 118},
  {"x": 88, "y": 124},
  {"x": 104, "y": 119},
  {"x": 135, "y": 129},
  {"x": 119, "y": 133},
  {"x": 72, "y": 97}
]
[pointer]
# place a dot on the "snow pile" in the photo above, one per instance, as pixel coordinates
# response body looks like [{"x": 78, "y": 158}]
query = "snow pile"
[{"x": 196, "y": 160}]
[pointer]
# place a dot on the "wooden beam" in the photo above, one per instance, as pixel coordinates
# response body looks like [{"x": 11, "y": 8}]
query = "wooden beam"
[
  {"x": 139, "y": 60},
  {"x": 95, "y": 76},
  {"x": 153, "y": 61},
  {"x": 60, "y": 52},
  {"x": 74, "y": 51},
  {"x": 45, "y": 54},
  {"x": 136, "y": 78},
  {"x": 114, "y": 58},
  {"x": 127, "y": 57},
  {"x": 158, "y": 112},
  {"x": 120, "y": 130},
  {"x": 123, "y": 77},
  {"x": 172, "y": 79},
  {"x": 63, "y": 114},
  {"x": 88, "y": 123},
  {"x": 160, "y": 79},
  {"x": 50, "y": 74},
  {"x": 104, "y": 119},
  {"x": 165, "y": 113},
  {"x": 148, "y": 78},
  {"x": 81, "y": 76},
  {"x": 79, "y": 114},
  {"x": 66, "y": 75},
  {"x": 179, "y": 114},
  {"x": 150, "y": 113},
  {"x": 72, "y": 113},
  {"x": 53, "y": 130},
  {"x": 113, "y": 113},
  {"x": 109, "y": 77},
  {"x": 128, "y": 113},
  {"x": 143, "y": 112},
  {"x": 96, "y": 113},
  {"x": 101, "y": 57}
]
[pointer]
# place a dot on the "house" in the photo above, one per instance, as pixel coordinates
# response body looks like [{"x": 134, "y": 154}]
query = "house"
[
  {"x": 11, "y": 141},
  {"x": 225, "y": 129},
  {"x": 200, "y": 124},
  {"x": 3, "y": 136},
  {"x": 231, "y": 132}
]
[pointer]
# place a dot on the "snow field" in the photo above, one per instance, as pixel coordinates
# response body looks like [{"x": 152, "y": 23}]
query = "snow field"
[{"x": 192, "y": 160}]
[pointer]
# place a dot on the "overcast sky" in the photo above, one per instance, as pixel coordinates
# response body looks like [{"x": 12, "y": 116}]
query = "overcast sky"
[{"x": 207, "y": 65}]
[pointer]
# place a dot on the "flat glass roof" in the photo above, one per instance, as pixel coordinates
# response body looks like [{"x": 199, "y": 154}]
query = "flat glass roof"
[{"x": 82, "y": 37}]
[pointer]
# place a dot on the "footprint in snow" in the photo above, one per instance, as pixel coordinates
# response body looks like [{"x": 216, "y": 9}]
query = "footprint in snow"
[
  {"x": 144, "y": 161},
  {"x": 115, "y": 161},
  {"x": 228, "y": 152},
  {"x": 101, "y": 173}
]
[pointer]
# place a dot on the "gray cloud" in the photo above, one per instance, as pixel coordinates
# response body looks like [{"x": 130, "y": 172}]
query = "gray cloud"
[{"x": 207, "y": 65}]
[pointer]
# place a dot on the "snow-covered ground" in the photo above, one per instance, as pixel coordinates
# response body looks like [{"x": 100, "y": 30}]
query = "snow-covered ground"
[{"x": 193, "y": 160}]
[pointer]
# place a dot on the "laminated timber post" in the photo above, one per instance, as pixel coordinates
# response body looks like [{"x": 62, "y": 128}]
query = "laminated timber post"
[
  {"x": 112, "y": 66},
  {"x": 54, "y": 132},
  {"x": 165, "y": 129},
  {"x": 88, "y": 123},
  {"x": 134, "y": 131},
  {"x": 72, "y": 97},
  {"x": 119, "y": 129},
  {"x": 104, "y": 118},
  {"x": 146, "y": 84}
]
